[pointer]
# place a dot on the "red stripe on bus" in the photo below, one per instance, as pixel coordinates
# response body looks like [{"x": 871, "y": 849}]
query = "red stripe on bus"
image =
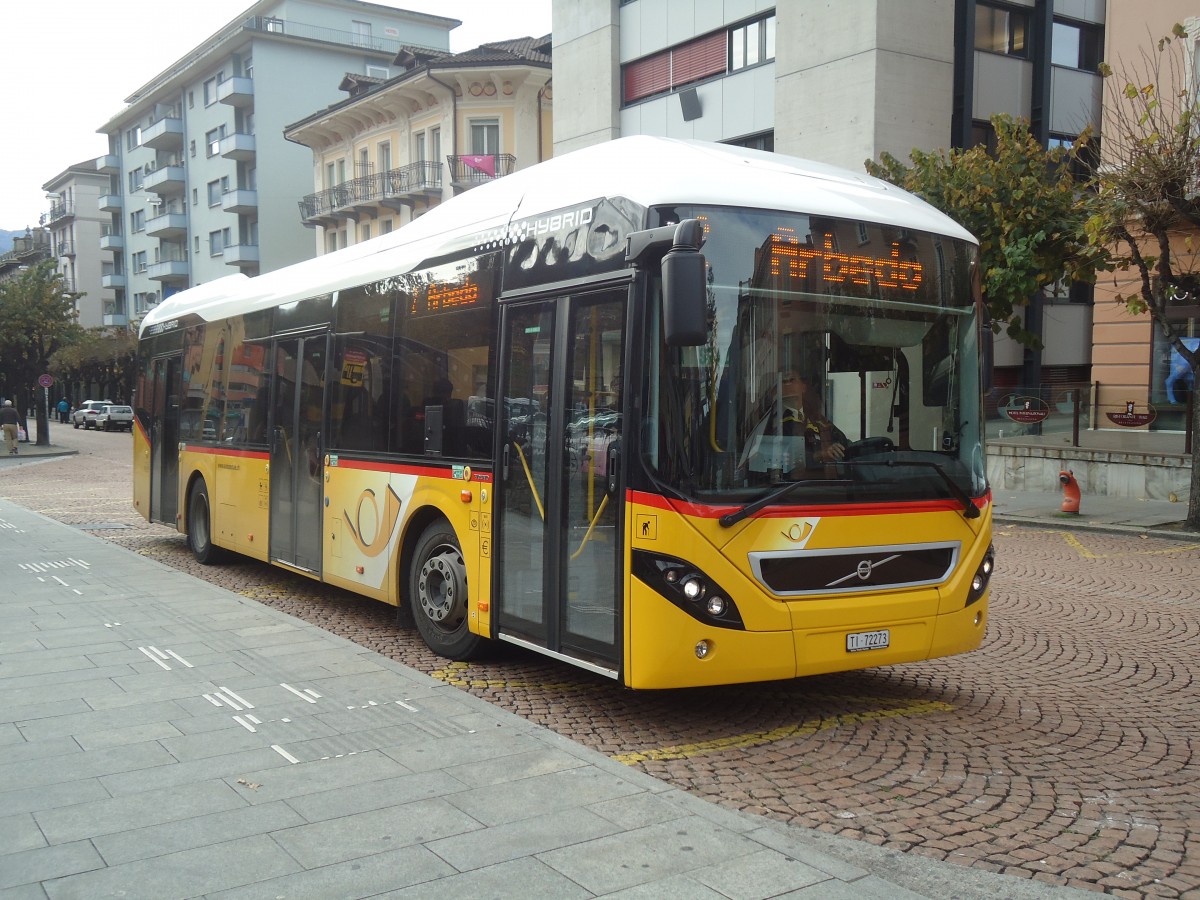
[
  {"x": 401, "y": 469},
  {"x": 702, "y": 511},
  {"x": 226, "y": 451}
]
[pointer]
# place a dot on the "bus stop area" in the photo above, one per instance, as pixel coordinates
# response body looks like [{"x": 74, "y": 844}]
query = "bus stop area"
[{"x": 161, "y": 736}]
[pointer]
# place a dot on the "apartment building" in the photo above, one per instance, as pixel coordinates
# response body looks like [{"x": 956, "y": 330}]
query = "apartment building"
[
  {"x": 76, "y": 226},
  {"x": 443, "y": 123},
  {"x": 842, "y": 82},
  {"x": 201, "y": 180}
]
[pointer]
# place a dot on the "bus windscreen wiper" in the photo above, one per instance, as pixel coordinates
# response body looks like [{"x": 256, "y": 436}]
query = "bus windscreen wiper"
[
  {"x": 773, "y": 497},
  {"x": 970, "y": 510}
]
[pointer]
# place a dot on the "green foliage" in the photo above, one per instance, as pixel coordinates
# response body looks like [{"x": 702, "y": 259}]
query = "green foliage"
[
  {"x": 37, "y": 317},
  {"x": 1023, "y": 204}
]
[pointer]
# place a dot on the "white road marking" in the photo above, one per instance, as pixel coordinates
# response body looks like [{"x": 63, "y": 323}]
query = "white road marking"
[
  {"x": 154, "y": 658},
  {"x": 288, "y": 687},
  {"x": 245, "y": 724},
  {"x": 175, "y": 655},
  {"x": 242, "y": 700},
  {"x": 284, "y": 754}
]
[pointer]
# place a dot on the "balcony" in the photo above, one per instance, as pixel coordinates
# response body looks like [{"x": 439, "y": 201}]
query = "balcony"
[
  {"x": 363, "y": 197},
  {"x": 58, "y": 212},
  {"x": 305, "y": 31},
  {"x": 241, "y": 255},
  {"x": 168, "y": 270},
  {"x": 239, "y": 201},
  {"x": 237, "y": 146},
  {"x": 108, "y": 164},
  {"x": 237, "y": 91},
  {"x": 112, "y": 241},
  {"x": 65, "y": 248},
  {"x": 115, "y": 320},
  {"x": 110, "y": 203},
  {"x": 166, "y": 180},
  {"x": 167, "y": 225},
  {"x": 112, "y": 280},
  {"x": 165, "y": 134},
  {"x": 473, "y": 170}
]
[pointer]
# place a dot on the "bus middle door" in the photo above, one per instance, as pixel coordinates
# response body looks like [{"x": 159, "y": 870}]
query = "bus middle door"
[
  {"x": 560, "y": 487},
  {"x": 297, "y": 402}
]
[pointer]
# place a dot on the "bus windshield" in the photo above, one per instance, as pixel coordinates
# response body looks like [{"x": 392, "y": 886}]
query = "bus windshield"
[{"x": 841, "y": 354}]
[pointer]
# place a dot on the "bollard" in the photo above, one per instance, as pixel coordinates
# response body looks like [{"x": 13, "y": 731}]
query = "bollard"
[{"x": 1070, "y": 489}]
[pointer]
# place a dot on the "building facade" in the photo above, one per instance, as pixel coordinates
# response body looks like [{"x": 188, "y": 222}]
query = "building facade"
[
  {"x": 76, "y": 226},
  {"x": 842, "y": 81},
  {"x": 442, "y": 124},
  {"x": 1133, "y": 361},
  {"x": 201, "y": 179}
]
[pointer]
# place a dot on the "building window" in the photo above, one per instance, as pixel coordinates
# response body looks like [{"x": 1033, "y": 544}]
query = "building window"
[
  {"x": 191, "y": 99},
  {"x": 216, "y": 189},
  {"x": 137, "y": 221},
  {"x": 752, "y": 43},
  {"x": 210, "y": 91},
  {"x": 673, "y": 68},
  {"x": 136, "y": 177},
  {"x": 139, "y": 261},
  {"x": 384, "y": 153},
  {"x": 1001, "y": 29},
  {"x": 485, "y": 137},
  {"x": 212, "y": 141},
  {"x": 378, "y": 71},
  {"x": 364, "y": 231},
  {"x": 1076, "y": 45},
  {"x": 385, "y": 227},
  {"x": 133, "y": 138},
  {"x": 983, "y": 132},
  {"x": 218, "y": 241},
  {"x": 762, "y": 141}
]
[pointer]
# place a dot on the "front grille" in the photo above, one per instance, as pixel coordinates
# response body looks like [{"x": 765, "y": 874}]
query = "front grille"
[{"x": 791, "y": 573}]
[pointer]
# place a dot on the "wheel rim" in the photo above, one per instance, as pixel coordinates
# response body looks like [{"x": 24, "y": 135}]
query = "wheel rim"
[
  {"x": 442, "y": 588},
  {"x": 199, "y": 523}
]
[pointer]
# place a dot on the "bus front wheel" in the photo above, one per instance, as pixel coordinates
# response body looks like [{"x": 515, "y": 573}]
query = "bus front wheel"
[
  {"x": 199, "y": 520},
  {"x": 438, "y": 594}
]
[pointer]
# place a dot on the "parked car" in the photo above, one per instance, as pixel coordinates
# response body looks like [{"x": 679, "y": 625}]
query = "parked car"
[
  {"x": 115, "y": 418},
  {"x": 85, "y": 415}
]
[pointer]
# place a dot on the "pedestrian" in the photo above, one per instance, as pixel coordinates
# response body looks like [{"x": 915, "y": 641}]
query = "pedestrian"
[
  {"x": 9, "y": 421},
  {"x": 63, "y": 408}
]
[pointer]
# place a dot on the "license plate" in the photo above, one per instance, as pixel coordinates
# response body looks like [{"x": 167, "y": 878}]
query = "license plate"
[{"x": 867, "y": 640}]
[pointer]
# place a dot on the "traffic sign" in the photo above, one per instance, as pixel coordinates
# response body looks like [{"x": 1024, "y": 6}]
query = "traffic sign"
[{"x": 45, "y": 380}]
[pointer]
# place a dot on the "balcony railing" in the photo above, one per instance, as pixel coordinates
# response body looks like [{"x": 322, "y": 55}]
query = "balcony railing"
[
  {"x": 274, "y": 25},
  {"x": 66, "y": 248},
  {"x": 393, "y": 188},
  {"x": 166, "y": 180},
  {"x": 168, "y": 270},
  {"x": 236, "y": 91},
  {"x": 165, "y": 134},
  {"x": 108, "y": 164},
  {"x": 469, "y": 170},
  {"x": 111, "y": 240},
  {"x": 57, "y": 211}
]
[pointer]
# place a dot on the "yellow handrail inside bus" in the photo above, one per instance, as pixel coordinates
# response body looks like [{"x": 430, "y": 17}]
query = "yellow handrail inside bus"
[
  {"x": 591, "y": 527},
  {"x": 529, "y": 478}
]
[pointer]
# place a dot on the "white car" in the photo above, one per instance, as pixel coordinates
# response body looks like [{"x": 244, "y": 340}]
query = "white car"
[
  {"x": 85, "y": 415},
  {"x": 114, "y": 418}
]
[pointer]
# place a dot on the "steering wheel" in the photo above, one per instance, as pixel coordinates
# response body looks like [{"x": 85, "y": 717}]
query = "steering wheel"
[{"x": 869, "y": 446}]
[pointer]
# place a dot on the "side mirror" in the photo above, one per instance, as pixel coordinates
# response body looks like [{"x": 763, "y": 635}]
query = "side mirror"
[{"x": 685, "y": 288}]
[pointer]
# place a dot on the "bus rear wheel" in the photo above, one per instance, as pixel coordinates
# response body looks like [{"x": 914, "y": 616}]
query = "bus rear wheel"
[
  {"x": 199, "y": 537},
  {"x": 438, "y": 594}
]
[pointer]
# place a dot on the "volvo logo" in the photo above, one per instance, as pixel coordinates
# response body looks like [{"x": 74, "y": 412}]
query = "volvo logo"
[{"x": 864, "y": 569}]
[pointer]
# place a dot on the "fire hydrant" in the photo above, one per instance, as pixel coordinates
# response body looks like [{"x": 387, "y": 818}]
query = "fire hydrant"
[{"x": 1070, "y": 489}]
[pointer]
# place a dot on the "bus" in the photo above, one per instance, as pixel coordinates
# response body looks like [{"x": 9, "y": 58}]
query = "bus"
[{"x": 561, "y": 410}]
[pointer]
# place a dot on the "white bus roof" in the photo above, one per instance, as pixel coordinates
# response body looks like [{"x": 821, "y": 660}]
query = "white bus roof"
[{"x": 649, "y": 171}]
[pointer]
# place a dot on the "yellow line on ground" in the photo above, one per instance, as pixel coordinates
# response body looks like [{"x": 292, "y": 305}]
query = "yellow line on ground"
[
  {"x": 455, "y": 674},
  {"x": 758, "y": 738}
]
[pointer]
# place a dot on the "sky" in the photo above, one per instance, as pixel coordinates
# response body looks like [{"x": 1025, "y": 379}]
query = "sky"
[{"x": 68, "y": 65}]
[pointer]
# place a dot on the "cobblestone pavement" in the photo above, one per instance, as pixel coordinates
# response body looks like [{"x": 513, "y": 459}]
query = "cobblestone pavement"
[{"x": 1064, "y": 750}]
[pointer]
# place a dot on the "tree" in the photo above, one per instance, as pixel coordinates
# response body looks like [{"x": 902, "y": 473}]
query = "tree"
[
  {"x": 1148, "y": 209},
  {"x": 1023, "y": 202},
  {"x": 37, "y": 317},
  {"x": 102, "y": 360}
]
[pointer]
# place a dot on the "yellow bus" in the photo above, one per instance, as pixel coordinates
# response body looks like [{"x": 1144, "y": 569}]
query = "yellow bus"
[{"x": 677, "y": 413}]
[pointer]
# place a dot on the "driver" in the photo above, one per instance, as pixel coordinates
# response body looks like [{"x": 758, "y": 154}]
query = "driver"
[{"x": 824, "y": 442}]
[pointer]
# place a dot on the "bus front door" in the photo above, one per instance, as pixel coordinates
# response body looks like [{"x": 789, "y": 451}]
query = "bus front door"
[
  {"x": 560, "y": 484},
  {"x": 166, "y": 384},
  {"x": 297, "y": 398}
]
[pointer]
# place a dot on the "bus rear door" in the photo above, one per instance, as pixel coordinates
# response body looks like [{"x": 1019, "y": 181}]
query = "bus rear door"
[
  {"x": 166, "y": 384},
  {"x": 560, "y": 484}
]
